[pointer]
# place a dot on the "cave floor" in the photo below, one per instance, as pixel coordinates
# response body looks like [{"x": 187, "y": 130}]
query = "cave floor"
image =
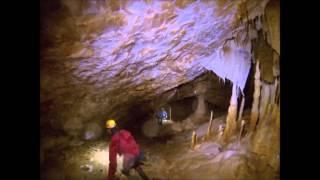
[{"x": 165, "y": 159}]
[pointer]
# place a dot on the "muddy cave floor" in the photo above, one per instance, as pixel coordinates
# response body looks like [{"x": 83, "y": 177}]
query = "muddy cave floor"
[{"x": 166, "y": 158}]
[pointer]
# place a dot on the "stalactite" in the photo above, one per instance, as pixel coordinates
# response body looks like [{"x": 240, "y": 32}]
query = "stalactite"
[
  {"x": 256, "y": 96},
  {"x": 232, "y": 115},
  {"x": 276, "y": 65}
]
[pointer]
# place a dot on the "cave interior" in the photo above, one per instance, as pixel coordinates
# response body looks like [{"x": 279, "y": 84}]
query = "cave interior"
[{"x": 212, "y": 65}]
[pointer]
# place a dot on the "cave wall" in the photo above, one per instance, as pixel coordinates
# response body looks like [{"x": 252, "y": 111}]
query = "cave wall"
[
  {"x": 266, "y": 137},
  {"x": 273, "y": 24}
]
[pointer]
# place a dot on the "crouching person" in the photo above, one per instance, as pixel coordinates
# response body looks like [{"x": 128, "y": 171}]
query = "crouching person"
[{"x": 123, "y": 143}]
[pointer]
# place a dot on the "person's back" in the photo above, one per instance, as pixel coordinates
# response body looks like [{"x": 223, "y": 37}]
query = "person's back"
[
  {"x": 164, "y": 114},
  {"x": 127, "y": 144},
  {"x": 123, "y": 143}
]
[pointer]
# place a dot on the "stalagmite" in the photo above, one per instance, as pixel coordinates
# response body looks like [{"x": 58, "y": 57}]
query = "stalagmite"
[
  {"x": 241, "y": 108},
  {"x": 278, "y": 94},
  {"x": 265, "y": 99},
  {"x": 128, "y": 60},
  {"x": 268, "y": 133},
  {"x": 276, "y": 84},
  {"x": 232, "y": 115},
  {"x": 256, "y": 96},
  {"x": 201, "y": 109},
  {"x": 220, "y": 133},
  {"x": 241, "y": 130},
  {"x": 273, "y": 98},
  {"x": 210, "y": 125},
  {"x": 193, "y": 140}
]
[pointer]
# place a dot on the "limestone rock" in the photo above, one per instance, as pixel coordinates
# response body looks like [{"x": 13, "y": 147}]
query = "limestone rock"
[
  {"x": 150, "y": 128},
  {"x": 73, "y": 127},
  {"x": 273, "y": 23},
  {"x": 99, "y": 58},
  {"x": 210, "y": 149},
  {"x": 92, "y": 131}
]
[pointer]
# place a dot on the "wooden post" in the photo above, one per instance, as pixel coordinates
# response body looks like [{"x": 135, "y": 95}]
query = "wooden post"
[
  {"x": 210, "y": 125},
  {"x": 170, "y": 113},
  {"x": 193, "y": 140}
]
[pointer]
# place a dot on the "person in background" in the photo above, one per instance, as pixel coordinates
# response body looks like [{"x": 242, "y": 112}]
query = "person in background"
[
  {"x": 161, "y": 115},
  {"x": 123, "y": 143}
]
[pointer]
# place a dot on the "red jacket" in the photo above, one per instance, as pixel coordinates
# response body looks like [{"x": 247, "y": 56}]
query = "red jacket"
[{"x": 122, "y": 142}]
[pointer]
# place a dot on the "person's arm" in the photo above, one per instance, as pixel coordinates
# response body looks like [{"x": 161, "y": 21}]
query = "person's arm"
[{"x": 113, "y": 149}]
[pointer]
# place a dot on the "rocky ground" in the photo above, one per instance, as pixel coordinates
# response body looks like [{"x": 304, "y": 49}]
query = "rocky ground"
[{"x": 167, "y": 158}]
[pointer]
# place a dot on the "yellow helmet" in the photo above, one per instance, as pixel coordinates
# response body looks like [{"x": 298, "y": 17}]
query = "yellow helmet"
[{"x": 110, "y": 123}]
